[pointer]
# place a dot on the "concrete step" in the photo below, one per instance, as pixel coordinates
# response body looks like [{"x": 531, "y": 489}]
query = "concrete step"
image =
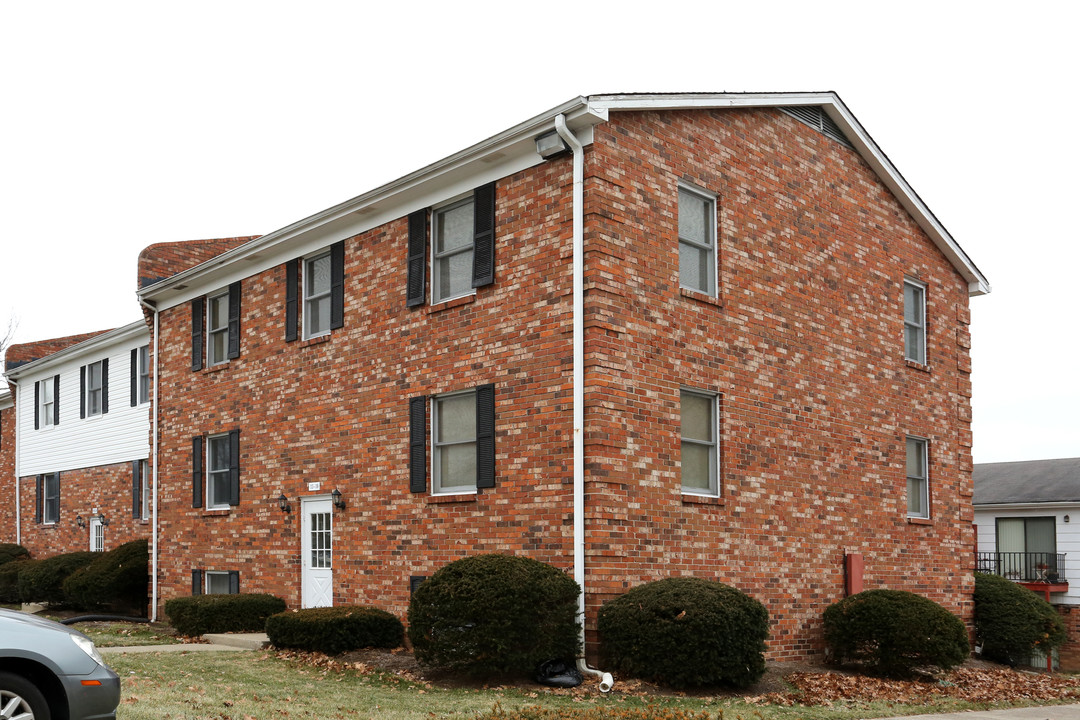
[{"x": 247, "y": 641}]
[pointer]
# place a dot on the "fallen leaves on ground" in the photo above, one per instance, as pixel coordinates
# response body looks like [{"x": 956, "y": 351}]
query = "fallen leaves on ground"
[{"x": 972, "y": 685}]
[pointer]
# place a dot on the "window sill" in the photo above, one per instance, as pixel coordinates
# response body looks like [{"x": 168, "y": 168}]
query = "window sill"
[
  {"x": 702, "y": 500},
  {"x": 215, "y": 368},
  {"x": 318, "y": 340},
  {"x": 220, "y": 512},
  {"x": 919, "y": 521},
  {"x": 453, "y": 303},
  {"x": 701, "y": 297},
  {"x": 443, "y": 499},
  {"x": 922, "y": 367}
]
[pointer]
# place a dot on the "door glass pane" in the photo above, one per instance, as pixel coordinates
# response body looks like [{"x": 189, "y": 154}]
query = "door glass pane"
[
  {"x": 1039, "y": 535},
  {"x": 320, "y": 540}
]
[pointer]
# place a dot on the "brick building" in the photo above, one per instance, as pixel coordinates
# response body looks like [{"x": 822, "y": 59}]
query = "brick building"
[
  {"x": 80, "y": 450},
  {"x": 7, "y": 466},
  {"x": 722, "y": 337}
]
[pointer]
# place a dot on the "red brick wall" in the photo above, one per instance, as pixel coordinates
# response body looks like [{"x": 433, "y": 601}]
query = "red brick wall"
[
  {"x": 163, "y": 260},
  {"x": 806, "y": 348},
  {"x": 7, "y": 475},
  {"x": 1069, "y": 653},
  {"x": 104, "y": 489}
]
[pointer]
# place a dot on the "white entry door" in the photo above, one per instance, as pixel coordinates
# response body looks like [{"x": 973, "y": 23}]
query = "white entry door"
[{"x": 317, "y": 561}]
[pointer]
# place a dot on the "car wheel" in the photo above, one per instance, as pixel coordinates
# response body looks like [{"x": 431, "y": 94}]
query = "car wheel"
[{"x": 21, "y": 700}]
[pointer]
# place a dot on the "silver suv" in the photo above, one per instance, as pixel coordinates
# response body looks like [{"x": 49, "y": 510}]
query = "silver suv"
[{"x": 50, "y": 671}]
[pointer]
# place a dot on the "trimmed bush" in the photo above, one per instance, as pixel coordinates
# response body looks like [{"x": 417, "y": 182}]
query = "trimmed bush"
[
  {"x": 1012, "y": 621},
  {"x": 335, "y": 629},
  {"x": 117, "y": 579},
  {"x": 494, "y": 615},
  {"x": 200, "y": 614},
  {"x": 43, "y": 582},
  {"x": 9, "y": 579},
  {"x": 893, "y": 631},
  {"x": 686, "y": 632},
  {"x": 11, "y": 551}
]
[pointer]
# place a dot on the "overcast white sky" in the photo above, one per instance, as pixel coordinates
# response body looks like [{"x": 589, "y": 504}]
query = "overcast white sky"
[{"x": 123, "y": 124}]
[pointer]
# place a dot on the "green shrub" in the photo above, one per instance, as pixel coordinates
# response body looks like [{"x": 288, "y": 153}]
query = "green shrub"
[
  {"x": 494, "y": 614},
  {"x": 1011, "y": 621},
  {"x": 11, "y": 551},
  {"x": 200, "y": 614},
  {"x": 685, "y": 632},
  {"x": 43, "y": 582},
  {"x": 894, "y": 631},
  {"x": 335, "y": 629},
  {"x": 116, "y": 579},
  {"x": 9, "y": 579}
]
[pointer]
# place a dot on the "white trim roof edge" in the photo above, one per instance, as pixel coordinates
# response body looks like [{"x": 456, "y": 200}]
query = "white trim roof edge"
[
  {"x": 1066, "y": 504},
  {"x": 6, "y": 400},
  {"x": 577, "y": 112},
  {"x": 109, "y": 337}
]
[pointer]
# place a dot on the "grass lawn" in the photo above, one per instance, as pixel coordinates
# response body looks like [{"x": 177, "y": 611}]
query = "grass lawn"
[
  {"x": 243, "y": 685},
  {"x": 117, "y": 634}
]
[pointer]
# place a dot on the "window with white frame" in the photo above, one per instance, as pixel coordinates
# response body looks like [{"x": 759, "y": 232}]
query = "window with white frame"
[
  {"x": 50, "y": 498},
  {"x": 217, "y": 583},
  {"x": 700, "y": 446},
  {"x": 94, "y": 388},
  {"x": 145, "y": 497},
  {"x": 97, "y": 535},
  {"x": 217, "y": 329},
  {"x": 317, "y": 284},
  {"x": 452, "y": 250},
  {"x": 697, "y": 240},
  {"x": 918, "y": 478},
  {"x": 144, "y": 374},
  {"x": 915, "y": 321},
  {"x": 47, "y": 404},
  {"x": 454, "y": 447},
  {"x": 218, "y": 463}
]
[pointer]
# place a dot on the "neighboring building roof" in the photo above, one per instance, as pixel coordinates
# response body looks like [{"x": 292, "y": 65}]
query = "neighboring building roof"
[
  {"x": 513, "y": 150},
  {"x": 163, "y": 260},
  {"x": 64, "y": 348},
  {"x": 1032, "y": 481},
  {"x": 24, "y": 353}
]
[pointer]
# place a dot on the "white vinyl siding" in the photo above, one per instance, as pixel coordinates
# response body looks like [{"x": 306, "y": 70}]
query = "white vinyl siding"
[
  {"x": 120, "y": 435},
  {"x": 1067, "y": 540}
]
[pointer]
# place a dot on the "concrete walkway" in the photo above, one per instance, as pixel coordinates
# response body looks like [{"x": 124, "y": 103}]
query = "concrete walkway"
[
  {"x": 1054, "y": 712},
  {"x": 223, "y": 642}
]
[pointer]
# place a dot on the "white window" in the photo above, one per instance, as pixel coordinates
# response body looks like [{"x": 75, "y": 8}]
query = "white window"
[
  {"x": 47, "y": 407},
  {"x": 918, "y": 480},
  {"x": 97, "y": 535},
  {"x": 697, "y": 240},
  {"x": 145, "y": 496},
  {"x": 217, "y": 329},
  {"x": 217, "y": 475},
  {"x": 452, "y": 250},
  {"x": 144, "y": 374},
  {"x": 217, "y": 583},
  {"x": 317, "y": 295},
  {"x": 454, "y": 432},
  {"x": 94, "y": 388},
  {"x": 50, "y": 507},
  {"x": 915, "y": 321},
  {"x": 700, "y": 447}
]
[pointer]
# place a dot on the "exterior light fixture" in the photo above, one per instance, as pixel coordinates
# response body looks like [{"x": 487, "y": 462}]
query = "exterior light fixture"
[
  {"x": 79, "y": 521},
  {"x": 550, "y": 145},
  {"x": 104, "y": 520},
  {"x": 336, "y": 497},
  {"x": 283, "y": 503}
]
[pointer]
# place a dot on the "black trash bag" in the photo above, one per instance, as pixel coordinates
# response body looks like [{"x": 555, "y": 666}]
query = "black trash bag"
[{"x": 556, "y": 673}]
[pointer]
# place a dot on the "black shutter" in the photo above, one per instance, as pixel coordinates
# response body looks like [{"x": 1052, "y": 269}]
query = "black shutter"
[
  {"x": 416, "y": 283},
  {"x": 292, "y": 289},
  {"x": 196, "y": 582},
  {"x": 337, "y": 285},
  {"x": 485, "y": 436},
  {"x": 39, "y": 498},
  {"x": 105, "y": 386},
  {"x": 82, "y": 392},
  {"x": 418, "y": 444},
  {"x": 136, "y": 490},
  {"x": 415, "y": 581},
  {"x": 196, "y": 333},
  {"x": 134, "y": 395},
  {"x": 56, "y": 400},
  {"x": 234, "y": 320},
  {"x": 234, "y": 582},
  {"x": 37, "y": 404},
  {"x": 483, "y": 235},
  {"x": 234, "y": 467},
  {"x": 196, "y": 471}
]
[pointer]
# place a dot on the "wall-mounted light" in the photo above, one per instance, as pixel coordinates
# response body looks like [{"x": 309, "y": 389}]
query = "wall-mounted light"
[
  {"x": 336, "y": 497},
  {"x": 103, "y": 520},
  {"x": 550, "y": 145},
  {"x": 1066, "y": 518},
  {"x": 79, "y": 521},
  {"x": 283, "y": 503}
]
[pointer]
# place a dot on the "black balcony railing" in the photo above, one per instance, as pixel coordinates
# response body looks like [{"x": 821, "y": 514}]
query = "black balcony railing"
[{"x": 1024, "y": 566}]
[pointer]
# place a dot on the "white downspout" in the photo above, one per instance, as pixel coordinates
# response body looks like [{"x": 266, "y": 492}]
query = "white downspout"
[
  {"x": 18, "y": 447},
  {"x": 606, "y": 680},
  {"x": 154, "y": 473}
]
